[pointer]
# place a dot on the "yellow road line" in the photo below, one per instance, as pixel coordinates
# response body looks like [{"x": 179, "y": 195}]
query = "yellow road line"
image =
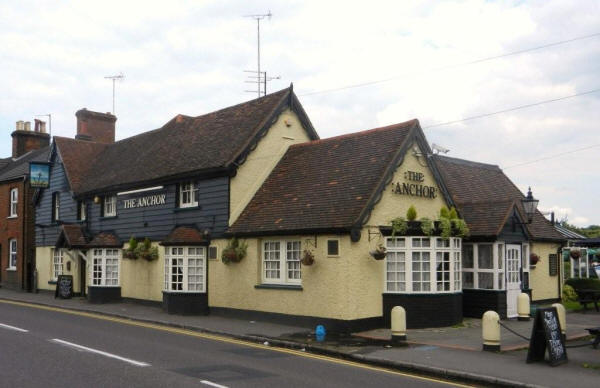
[{"x": 221, "y": 338}]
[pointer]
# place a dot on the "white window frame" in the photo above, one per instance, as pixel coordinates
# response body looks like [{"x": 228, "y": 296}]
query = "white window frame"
[
  {"x": 102, "y": 261},
  {"x": 14, "y": 202},
  {"x": 289, "y": 261},
  {"x": 191, "y": 190},
  {"x": 525, "y": 252},
  {"x": 110, "y": 206},
  {"x": 399, "y": 277},
  {"x": 82, "y": 211},
  {"x": 185, "y": 257},
  {"x": 57, "y": 263},
  {"x": 582, "y": 272},
  {"x": 12, "y": 254},
  {"x": 497, "y": 270}
]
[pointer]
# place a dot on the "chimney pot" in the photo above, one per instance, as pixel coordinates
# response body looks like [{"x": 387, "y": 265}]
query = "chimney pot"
[
  {"x": 24, "y": 140},
  {"x": 28, "y": 125},
  {"x": 20, "y": 125}
]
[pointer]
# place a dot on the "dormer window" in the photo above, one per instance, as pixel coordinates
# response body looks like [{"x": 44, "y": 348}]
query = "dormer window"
[
  {"x": 188, "y": 194},
  {"x": 110, "y": 206},
  {"x": 14, "y": 201}
]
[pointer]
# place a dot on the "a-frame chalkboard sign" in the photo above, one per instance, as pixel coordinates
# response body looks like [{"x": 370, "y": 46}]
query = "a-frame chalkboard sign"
[
  {"x": 64, "y": 287},
  {"x": 546, "y": 333}
]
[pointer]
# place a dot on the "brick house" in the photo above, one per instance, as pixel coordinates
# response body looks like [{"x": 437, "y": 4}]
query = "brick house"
[{"x": 17, "y": 214}]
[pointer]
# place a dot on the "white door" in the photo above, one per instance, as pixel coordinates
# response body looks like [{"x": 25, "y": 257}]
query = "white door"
[{"x": 513, "y": 281}]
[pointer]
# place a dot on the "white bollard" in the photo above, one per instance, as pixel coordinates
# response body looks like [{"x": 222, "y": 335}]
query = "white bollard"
[
  {"x": 562, "y": 319},
  {"x": 490, "y": 328},
  {"x": 523, "y": 307},
  {"x": 398, "y": 325}
]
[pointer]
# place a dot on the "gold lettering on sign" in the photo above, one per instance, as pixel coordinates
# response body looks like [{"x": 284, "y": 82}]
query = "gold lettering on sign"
[{"x": 414, "y": 189}]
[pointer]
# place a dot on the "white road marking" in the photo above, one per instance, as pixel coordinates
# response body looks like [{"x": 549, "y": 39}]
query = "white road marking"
[
  {"x": 13, "y": 328},
  {"x": 213, "y": 384},
  {"x": 86, "y": 349}
]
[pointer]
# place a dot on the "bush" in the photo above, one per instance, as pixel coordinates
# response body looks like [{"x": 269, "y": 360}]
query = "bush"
[
  {"x": 584, "y": 283},
  {"x": 452, "y": 214},
  {"x": 444, "y": 212},
  {"x": 568, "y": 294},
  {"x": 411, "y": 213}
]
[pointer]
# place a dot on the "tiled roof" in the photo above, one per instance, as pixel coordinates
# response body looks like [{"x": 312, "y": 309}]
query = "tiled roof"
[
  {"x": 323, "y": 184},
  {"x": 20, "y": 167},
  {"x": 185, "y": 235},
  {"x": 486, "y": 218},
  {"x": 105, "y": 240},
  {"x": 472, "y": 183},
  {"x": 71, "y": 236},
  {"x": 184, "y": 145}
]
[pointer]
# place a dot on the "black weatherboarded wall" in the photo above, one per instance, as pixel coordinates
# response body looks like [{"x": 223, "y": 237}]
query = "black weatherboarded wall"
[{"x": 154, "y": 222}]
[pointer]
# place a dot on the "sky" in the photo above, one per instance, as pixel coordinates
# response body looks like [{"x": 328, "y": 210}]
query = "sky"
[{"x": 189, "y": 57}]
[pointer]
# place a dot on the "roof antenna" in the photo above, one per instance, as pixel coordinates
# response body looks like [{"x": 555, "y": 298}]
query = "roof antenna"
[
  {"x": 119, "y": 77},
  {"x": 261, "y": 77}
]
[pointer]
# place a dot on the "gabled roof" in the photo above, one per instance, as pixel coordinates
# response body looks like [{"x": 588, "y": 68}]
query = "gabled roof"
[
  {"x": 477, "y": 186},
  {"x": 183, "y": 147},
  {"x": 17, "y": 168},
  {"x": 185, "y": 235},
  {"x": 75, "y": 236},
  {"x": 328, "y": 185}
]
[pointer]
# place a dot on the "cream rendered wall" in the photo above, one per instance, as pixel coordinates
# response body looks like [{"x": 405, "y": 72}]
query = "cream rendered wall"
[
  {"x": 143, "y": 279},
  {"x": 366, "y": 273},
  {"x": 325, "y": 283},
  {"x": 43, "y": 262},
  {"x": 253, "y": 172},
  {"x": 542, "y": 284}
]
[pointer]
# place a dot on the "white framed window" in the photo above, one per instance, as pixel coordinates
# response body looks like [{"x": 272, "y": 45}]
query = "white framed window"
[
  {"x": 14, "y": 202},
  {"x": 423, "y": 265},
  {"x": 12, "y": 254},
  {"x": 281, "y": 262},
  {"x": 81, "y": 211},
  {"x": 57, "y": 263},
  {"x": 110, "y": 206},
  {"x": 188, "y": 196},
  {"x": 582, "y": 266},
  {"x": 483, "y": 266},
  {"x": 525, "y": 266},
  {"x": 105, "y": 267},
  {"x": 185, "y": 269}
]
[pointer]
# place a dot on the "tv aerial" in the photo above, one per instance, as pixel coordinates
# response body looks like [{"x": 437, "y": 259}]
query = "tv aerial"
[{"x": 118, "y": 77}]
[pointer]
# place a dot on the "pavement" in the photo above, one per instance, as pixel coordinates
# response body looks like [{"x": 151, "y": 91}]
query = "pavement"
[{"x": 453, "y": 352}]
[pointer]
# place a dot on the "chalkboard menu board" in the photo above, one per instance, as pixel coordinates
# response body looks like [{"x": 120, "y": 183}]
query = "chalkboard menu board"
[
  {"x": 553, "y": 263},
  {"x": 64, "y": 287},
  {"x": 546, "y": 333}
]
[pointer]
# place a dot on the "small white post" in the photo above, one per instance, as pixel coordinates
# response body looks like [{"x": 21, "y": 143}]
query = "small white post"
[
  {"x": 490, "y": 328},
  {"x": 398, "y": 325},
  {"x": 523, "y": 307}
]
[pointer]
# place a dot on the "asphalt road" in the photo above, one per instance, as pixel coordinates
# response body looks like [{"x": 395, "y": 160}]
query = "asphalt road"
[{"x": 49, "y": 348}]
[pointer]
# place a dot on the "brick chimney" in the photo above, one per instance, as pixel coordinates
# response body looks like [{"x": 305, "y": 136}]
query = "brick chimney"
[
  {"x": 25, "y": 140},
  {"x": 95, "y": 126}
]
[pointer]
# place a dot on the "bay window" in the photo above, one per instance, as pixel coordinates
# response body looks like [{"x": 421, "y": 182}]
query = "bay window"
[
  {"x": 483, "y": 265},
  {"x": 423, "y": 265},
  {"x": 281, "y": 262},
  {"x": 185, "y": 269},
  {"x": 105, "y": 267}
]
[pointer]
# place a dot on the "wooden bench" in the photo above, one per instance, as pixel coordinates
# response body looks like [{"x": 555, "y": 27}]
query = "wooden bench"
[
  {"x": 585, "y": 296},
  {"x": 595, "y": 331}
]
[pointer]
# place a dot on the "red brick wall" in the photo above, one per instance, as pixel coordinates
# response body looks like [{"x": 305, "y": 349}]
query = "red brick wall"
[
  {"x": 12, "y": 228},
  {"x": 25, "y": 141}
]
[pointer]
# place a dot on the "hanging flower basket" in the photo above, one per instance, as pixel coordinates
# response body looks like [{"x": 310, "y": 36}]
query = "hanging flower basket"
[
  {"x": 307, "y": 258},
  {"x": 379, "y": 253},
  {"x": 234, "y": 252},
  {"x": 129, "y": 254},
  {"x": 575, "y": 253},
  {"x": 533, "y": 259}
]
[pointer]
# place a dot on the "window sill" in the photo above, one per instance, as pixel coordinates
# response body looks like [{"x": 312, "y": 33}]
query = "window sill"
[
  {"x": 107, "y": 218},
  {"x": 12, "y": 217},
  {"x": 290, "y": 287},
  {"x": 185, "y": 209},
  {"x": 12, "y": 269}
]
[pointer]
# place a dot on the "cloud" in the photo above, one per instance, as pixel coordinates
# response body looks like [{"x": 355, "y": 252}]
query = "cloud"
[{"x": 190, "y": 57}]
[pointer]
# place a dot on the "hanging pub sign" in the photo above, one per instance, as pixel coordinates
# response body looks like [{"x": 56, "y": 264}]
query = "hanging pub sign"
[
  {"x": 414, "y": 187},
  {"x": 39, "y": 175},
  {"x": 546, "y": 333}
]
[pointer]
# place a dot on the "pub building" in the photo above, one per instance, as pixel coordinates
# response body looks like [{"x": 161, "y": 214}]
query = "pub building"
[{"x": 251, "y": 215}]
